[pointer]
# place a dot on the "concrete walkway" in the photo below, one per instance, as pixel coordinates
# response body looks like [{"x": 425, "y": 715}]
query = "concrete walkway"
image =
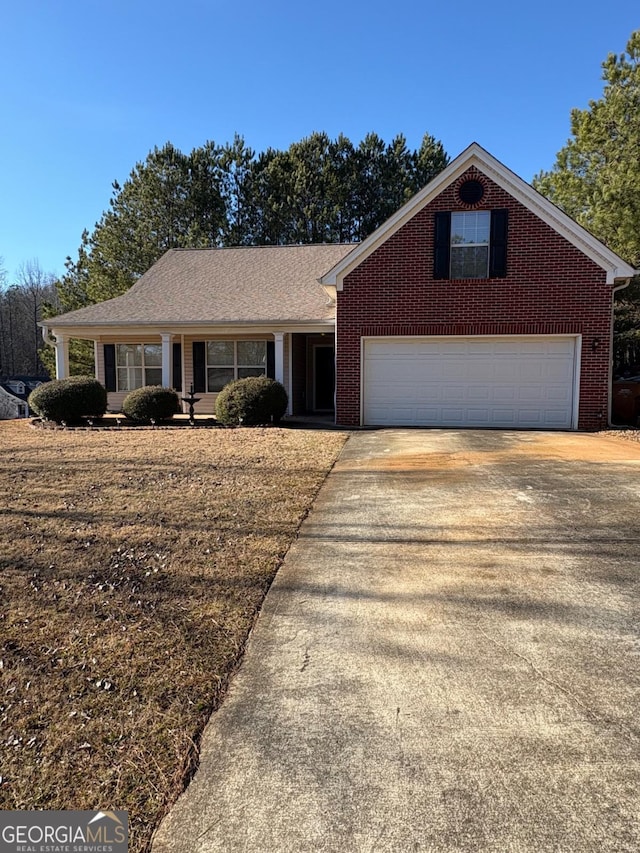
[{"x": 449, "y": 660}]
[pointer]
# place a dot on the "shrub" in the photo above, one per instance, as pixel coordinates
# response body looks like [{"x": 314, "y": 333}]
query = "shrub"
[
  {"x": 152, "y": 402},
  {"x": 69, "y": 400},
  {"x": 251, "y": 401}
]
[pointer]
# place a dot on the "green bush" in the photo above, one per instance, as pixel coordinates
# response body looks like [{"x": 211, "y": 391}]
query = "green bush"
[
  {"x": 69, "y": 400},
  {"x": 151, "y": 403},
  {"x": 251, "y": 401}
]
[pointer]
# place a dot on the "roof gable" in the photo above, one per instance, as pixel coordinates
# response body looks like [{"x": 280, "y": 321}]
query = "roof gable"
[
  {"x": 615, "y": 267},
  {"x": 9, "y": 392}
]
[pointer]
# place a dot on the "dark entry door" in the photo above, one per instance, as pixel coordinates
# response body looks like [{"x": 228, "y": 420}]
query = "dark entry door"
[{"x": 324, "y": 378}]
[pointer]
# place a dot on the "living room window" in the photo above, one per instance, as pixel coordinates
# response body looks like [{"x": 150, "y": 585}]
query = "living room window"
[
  {"x": 470, "y": 244},
  {"x": 138, "y": 365},
  {"x": 229, "y": 360}
]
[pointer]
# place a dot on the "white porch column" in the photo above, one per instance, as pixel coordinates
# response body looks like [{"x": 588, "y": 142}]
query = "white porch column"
[
  {"x": 62, "y": 356},
  {"x": 166, "y": 360},
  {"x": 279, "y": 356}
]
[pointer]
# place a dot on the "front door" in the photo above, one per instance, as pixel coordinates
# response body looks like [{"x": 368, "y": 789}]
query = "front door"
[{"x": 324, "y": 377}]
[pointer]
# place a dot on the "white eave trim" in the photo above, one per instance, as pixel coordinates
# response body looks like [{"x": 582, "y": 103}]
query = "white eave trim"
[
  {"x": 615, "y": 267},
  {"x": 130, "y": 330}
]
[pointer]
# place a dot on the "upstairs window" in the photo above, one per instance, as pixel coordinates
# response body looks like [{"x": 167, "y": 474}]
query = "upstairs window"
[
  {"x": 469, "y": 256},
  {"x": 471, "y": 244}
]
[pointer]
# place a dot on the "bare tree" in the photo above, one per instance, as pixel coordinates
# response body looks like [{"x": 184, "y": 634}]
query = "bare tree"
[
  {"x": 35, "y": 288},
  {"x": 21, "y": 304}
]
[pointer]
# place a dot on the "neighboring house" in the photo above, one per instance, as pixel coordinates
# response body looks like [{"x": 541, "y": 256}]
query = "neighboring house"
[
  {"x": 14, "y": 395},
  {"x": 479, "y": 303}
]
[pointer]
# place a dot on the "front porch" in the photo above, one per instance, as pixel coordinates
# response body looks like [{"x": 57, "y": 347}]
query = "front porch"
[{"x": 205, "y": 360}]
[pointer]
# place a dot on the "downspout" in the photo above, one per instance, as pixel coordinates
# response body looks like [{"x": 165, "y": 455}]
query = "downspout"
[
  {"x": 45, "y": 336},
  {"x": 624, "y": 284},
  {"x": 332, "y": 292},
  {"x": 62, "y": 354}
]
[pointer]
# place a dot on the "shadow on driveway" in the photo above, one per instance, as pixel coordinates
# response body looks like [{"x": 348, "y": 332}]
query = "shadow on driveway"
[{"x": 447, "y": 661}]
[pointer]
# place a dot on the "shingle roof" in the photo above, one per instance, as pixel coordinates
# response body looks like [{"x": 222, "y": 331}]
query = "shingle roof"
[{"x": 196, "y": 286}]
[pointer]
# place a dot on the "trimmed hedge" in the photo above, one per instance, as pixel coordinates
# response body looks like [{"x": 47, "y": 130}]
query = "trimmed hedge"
[
  {"x": 69, "y": 400},
  {"x": 251, "y": 401},
  {"x": 152, "y": 402}
]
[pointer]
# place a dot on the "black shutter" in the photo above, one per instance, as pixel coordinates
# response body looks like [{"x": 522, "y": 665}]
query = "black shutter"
[
  {"x": 199, "y": 367},
  {"x": 271, "y": 359},
  {"x": 109, "y": 366},
  {"x": 177, "y": 367},
  {"x": 441, "y": 248},
  {"x": 498, "y": 244}
]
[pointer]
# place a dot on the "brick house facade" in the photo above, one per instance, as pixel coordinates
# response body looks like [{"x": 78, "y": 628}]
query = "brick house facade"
[
  {"x": 549, "y": 287},
  {"x": 479, "y": 303}
]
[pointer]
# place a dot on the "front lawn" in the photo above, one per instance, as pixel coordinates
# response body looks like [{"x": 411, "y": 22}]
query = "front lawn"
[{"x": 132, "y": 566}]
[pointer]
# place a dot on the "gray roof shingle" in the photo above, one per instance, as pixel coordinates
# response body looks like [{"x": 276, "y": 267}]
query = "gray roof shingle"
[{"x": 243, "y": 285}]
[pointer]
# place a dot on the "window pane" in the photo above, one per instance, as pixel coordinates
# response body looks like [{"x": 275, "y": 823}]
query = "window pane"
[
  {"x": 153, "y": 376},
  {"x": 128, "y": 355},
  {"x": 218, "y": 377},
  {"x": 153, "y": 354},
  {"x": 469, "y": 261},
  {"x": 470, "y": 228},
  {"x": 219, "y": 352},
  {"x": 123, "y": 379},
  {"x": 252, "y": 353},
  {"x": 250, "y": 371}
]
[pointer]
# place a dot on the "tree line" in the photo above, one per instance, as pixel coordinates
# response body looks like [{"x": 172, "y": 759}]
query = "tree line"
[{"x": 319, "y": 190}]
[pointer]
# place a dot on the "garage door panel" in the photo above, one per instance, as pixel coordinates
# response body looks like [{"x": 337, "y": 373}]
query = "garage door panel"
[
  {"x": 507, "y": 416},
  {"x": 478, "y": 393},
  {"x": 560, "y": 396},
  {"x": 506, "y": 371},
  {"x": 525, "y": 382},
  {"x": 505, "y": 394}
]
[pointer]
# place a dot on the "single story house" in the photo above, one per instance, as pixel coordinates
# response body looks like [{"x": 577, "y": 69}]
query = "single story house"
[{"x": 479, "y": 304}]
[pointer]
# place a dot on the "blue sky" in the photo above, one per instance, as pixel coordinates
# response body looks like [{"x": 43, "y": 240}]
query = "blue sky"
[{"x": 88, "y": 88}]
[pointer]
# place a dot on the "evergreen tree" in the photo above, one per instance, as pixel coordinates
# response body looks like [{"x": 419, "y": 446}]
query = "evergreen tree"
[
  {"x": 317, "y": 191},
  {"x": 596, "y": 180},
  {"x": 236, "y": 170},
  {"x": 596, "y": 177}
]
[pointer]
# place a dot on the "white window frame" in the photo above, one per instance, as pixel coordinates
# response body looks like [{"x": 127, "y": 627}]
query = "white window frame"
[
  {"x": 453, "y": 246},
  {"x": 131, "y": 368},
  {"x": 237, "y": 366}
]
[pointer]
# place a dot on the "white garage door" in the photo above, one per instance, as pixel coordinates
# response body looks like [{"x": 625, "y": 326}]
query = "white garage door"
[{"x": 474, "y": 382}]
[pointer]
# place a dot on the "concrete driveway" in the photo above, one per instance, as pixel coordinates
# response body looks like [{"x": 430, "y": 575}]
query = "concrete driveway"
[{"x": 449, "y": 660}]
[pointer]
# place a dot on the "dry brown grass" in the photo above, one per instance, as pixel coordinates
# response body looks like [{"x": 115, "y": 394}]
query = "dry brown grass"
[{"x": 132, "y": 566}]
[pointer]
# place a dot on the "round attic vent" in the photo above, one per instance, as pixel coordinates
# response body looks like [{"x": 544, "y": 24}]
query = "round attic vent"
[{"x": 471, "y": 192}]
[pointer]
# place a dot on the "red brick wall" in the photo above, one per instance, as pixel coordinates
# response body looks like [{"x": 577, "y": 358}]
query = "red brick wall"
[{"x": 550, "y": 288}]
